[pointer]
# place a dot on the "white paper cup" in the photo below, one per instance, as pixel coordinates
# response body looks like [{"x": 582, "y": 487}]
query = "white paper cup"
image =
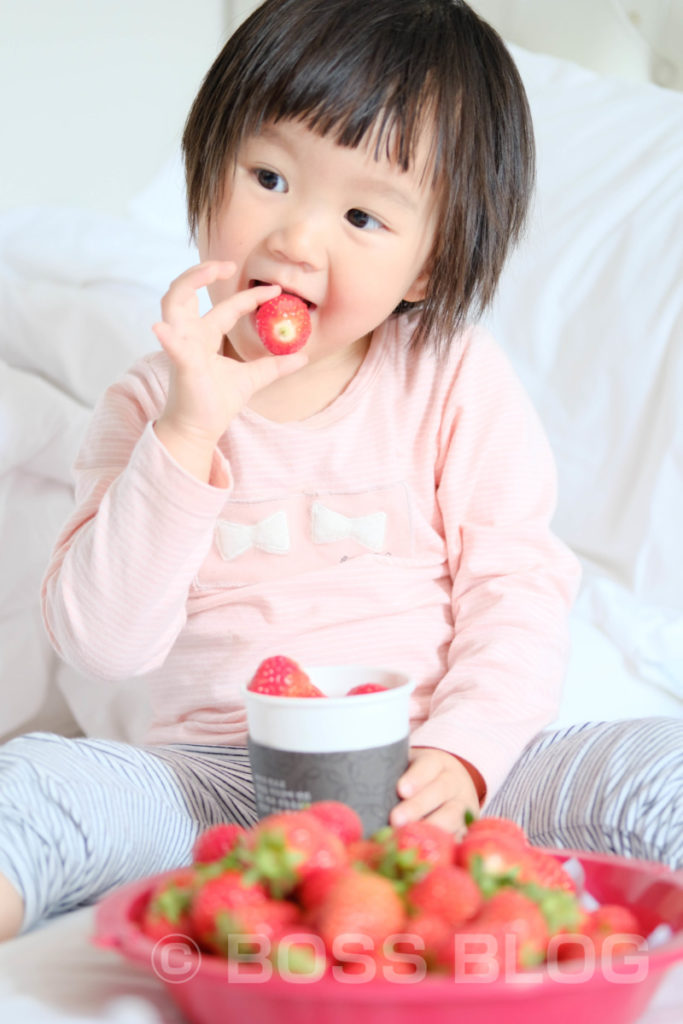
[{"x": 353, "y": 749}]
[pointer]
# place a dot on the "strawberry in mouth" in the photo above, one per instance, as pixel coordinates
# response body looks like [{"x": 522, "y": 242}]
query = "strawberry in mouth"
[
  {"x": 309, "y": 305},
  {"x": 284, "y": 323}
]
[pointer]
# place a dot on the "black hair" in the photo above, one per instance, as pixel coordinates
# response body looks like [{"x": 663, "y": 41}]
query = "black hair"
[{"x": 382, "y": 70}]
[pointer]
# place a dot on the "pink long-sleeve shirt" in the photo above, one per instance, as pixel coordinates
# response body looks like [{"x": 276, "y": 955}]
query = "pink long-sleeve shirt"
[{"x": 405, "y": 525}]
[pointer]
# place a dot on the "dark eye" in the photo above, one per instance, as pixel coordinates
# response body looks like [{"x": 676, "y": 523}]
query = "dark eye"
[
  {"x": 271, "y": 180},
  {"x": 361, "y": 219}
]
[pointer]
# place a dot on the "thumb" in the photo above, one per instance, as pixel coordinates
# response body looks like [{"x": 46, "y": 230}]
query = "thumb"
[
  {"x": 420, "y": 772},
  {"x": 264, "y": 371}
]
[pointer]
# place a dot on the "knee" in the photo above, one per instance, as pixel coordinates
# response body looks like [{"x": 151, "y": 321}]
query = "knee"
[
  {"x": 652, "y": 801},
  {"x": 32, "y": 746},
  {"x": 608, "y": 787},
  {"x": 626, "y": 795}
]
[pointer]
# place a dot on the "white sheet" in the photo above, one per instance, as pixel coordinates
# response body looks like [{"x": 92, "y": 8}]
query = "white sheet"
[
  {"x": 591, "y": 311},
  {"x": 76, "y": 980}
]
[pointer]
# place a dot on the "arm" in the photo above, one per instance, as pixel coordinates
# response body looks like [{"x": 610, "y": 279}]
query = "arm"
[
  {"x": 150, "y": 483},
  {"x": 115, "y": 589},
  {"x": 513, "y": 585}
]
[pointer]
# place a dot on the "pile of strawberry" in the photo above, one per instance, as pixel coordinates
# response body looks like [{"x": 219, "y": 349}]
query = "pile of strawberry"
[
  {"x": 408, "y": 892},
  {"x": 283, "y": 677}
]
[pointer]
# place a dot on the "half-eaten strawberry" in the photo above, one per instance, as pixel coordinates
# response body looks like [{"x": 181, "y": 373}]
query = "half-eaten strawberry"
[
  {"x": 282, "y": 677},
  {"x": 283, "y": 324}
]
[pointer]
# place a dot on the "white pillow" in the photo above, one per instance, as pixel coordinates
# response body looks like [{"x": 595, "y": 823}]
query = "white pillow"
[
  {"x": 161, "y": 205},
  {"x": 590, "y": 309},
  {"x": 603, "y": 684}
]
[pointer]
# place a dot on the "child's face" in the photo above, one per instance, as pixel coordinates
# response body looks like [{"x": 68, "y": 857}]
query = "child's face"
[{"x": 350, "y": 234}]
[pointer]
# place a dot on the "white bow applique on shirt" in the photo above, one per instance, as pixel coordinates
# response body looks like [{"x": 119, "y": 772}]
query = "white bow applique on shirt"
[
  {"x": 271, "y": 535},
  {"x": 328, "y": 526}
]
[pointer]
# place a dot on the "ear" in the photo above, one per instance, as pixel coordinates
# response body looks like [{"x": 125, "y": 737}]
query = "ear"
[{"x": 418, "y": 288}]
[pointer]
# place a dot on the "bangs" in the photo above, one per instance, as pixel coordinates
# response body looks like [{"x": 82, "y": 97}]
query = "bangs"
[{"x": 353, "y": 100}]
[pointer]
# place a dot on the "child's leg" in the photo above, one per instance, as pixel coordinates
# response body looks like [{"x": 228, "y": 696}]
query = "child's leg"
[
  {"x": 80, "y": 817},
  {"x": 11, "y": 909},
  {"x": 612, "y": 787}
]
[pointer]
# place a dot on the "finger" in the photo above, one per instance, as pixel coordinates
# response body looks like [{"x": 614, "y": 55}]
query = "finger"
[
  {"x": 166, "y": 337},
  {"x": 225, "y": 314},
  {"x": 185, "y": 287},
  {"x": 425, "y": 802},
  {"x": 264, "y": 371},
  {"x": 450, "y": 816},
  {"x": 200, "y": 275},
  {"x": 174, "y": 342},
  {"x": 420, "y": 772}
]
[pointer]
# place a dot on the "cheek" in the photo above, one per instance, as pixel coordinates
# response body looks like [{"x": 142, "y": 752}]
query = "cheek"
[
  {"x": 221, "y": 242},
  {"x": 211, "y": 248},
  {"x": 220, "y": 290},
  {"x": 371, "y": 290}
]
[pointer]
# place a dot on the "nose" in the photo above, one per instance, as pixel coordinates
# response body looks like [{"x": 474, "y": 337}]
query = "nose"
[{"x": 298, "y": 239}]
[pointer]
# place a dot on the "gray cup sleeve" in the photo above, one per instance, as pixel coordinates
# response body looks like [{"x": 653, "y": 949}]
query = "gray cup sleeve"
[{"x": 364, "y": 779}]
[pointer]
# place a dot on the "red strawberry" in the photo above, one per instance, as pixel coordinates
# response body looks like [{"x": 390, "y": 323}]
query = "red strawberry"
[
  {"x": 498, "y": 827},
  {"x": 296, "y": 950},
  {"x": 366, "y": 688},
  {"x": 612, "y": 919},
  {"x": 446, "y": 891},
  {"x": 434, "y": 845},
  {"x": 283, "y": 324},
  {"x": 541, "y": 868},
  {"x": 513, "y": 912},
  {"x": 168, "y": 910},
  {"x": 365, "y": 851},
  {"x": 252, "y": 924},
  {"x": 289, "y": 845},
  {"x": 313, "y": 890},
  {"x": 361, "y": 905},
  {"x": 561, "y": 908},
  {"x": 511, "y": 923},
  {"x": 607, "y": 920},
  {"x": 218, "y": 896},
  {"x": 281, "y": 677},
  {"x": 383, "y": 962},
  {"x": 424, "y": 935},
  {"x": 492, "y": 861},
  {"x": 410, "y": 850},
  {"x": 338, "y": 818},
  {"x": 215, "y": 842}
]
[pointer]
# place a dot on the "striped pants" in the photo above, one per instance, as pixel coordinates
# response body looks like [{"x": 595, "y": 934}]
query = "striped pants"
[{"x": 79, "y": 817}]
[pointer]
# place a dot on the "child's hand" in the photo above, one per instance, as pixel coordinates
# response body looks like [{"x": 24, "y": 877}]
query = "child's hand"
[
  {"x": 208, "y": 389},
  {"x": 436, "y": 786}
]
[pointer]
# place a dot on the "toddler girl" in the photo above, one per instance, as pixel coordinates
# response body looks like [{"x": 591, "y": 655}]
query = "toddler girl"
[{"x": 376, "y": 160}]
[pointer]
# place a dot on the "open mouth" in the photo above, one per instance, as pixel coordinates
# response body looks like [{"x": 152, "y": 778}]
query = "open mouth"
[{"x": 285, "y": 291}]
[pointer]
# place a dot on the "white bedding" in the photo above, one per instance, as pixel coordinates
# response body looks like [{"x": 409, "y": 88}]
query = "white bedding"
[{"x": 591, "y": 312}]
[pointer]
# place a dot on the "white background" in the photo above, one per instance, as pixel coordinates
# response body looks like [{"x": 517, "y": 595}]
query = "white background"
[{"x": 94, "y": 93}]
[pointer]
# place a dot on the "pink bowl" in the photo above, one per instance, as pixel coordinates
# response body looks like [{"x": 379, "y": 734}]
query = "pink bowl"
[{"x": 200, "y": 985}]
